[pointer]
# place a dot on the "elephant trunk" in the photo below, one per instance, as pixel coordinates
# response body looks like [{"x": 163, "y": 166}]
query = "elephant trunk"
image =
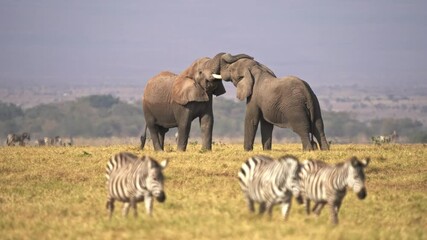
[
  {"x": 221, "y": 60},
  {"x": 215, "y": 63},
  {"x": 228, "y": 58}
]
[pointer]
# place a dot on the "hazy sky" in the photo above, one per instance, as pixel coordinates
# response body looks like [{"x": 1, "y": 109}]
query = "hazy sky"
[{"x": 106, "y": 41}]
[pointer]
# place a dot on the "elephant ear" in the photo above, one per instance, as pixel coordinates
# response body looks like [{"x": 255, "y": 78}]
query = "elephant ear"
[
  {"x": 186, "y": 90},
  {"x": 245, "y": 85},
  {"x": 220, "y": 89}
]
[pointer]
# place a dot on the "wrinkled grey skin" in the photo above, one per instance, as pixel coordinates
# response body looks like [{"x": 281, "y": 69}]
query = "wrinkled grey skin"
[
  {"x": 172, "y": 100},
  {"x": 286, "y": 102}
]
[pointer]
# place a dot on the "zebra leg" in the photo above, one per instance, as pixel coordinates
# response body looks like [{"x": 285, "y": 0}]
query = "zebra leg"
[
  {"x": 307, "y": 206},
  {"x": 261, "y": 208},
  {"x": 318, "y": 208},
  {"x": 133, "y": 205},
  {"x": 148, "y": 204},
  {"x": 286, "y": 206},
  {"x": 110, "y": 207},
  {"x": 125, "y": 209},
  {"x": 334, "y": 208},
  {"x": 250, "y": 204},
  {"x": 270, "y": 209}
]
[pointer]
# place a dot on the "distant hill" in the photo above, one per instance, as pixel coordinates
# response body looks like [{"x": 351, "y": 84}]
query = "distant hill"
[{"x": 109, "y": 116}]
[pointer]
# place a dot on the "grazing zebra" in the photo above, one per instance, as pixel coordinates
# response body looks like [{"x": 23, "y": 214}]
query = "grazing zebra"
[
  {"x": 16, "y": 138},
  {"x": 57, "y": 141},
  {"x": 270, "y": 182},
  {"x": 131, "y": 180},
  {"x": 40, "y": 142},
  {"x": 48, "y": 141},
  {"x": 378, "y": 140},
  {"x": 67, "y": 141},
  {"x": 327, "y": 184}
]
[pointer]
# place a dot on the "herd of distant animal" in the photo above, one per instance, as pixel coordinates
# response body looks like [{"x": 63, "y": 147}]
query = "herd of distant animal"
[
  {"x": 172, "y": 100},
  {"x": 20, "y": 139}
]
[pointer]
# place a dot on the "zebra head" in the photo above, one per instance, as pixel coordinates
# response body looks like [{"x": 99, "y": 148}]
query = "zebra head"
[
  {"x": 356, "y": 176},
  {"x": 292, "y": 179},
  {"x": 155, "y": 179},
  {"x": 26, "y": 135}
]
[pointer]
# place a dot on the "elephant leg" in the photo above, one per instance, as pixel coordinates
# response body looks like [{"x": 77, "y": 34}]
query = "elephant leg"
[
  {"x": 154, "y": 132},
  {"x": 162, "y": 132},
  {"x": 266, "y": 134},
  {"x": 251, "y": 125},
  {"x": 319, "y": 133},
  {"x": 206, "y": 126},
  {"x": 183, "y": 134},
  {"x": 305, "y": 139}
]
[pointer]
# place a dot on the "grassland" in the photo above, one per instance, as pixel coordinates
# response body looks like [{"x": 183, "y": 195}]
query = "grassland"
[{"x": 59, "y": 193}]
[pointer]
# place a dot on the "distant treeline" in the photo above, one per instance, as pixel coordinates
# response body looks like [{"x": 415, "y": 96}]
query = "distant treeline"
[{"x": 107, "y": 116}]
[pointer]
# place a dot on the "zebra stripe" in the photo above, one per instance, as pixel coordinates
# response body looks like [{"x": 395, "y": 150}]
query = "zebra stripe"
[
  {"x": 327, "y": 184},
  {"x": 131, "y": 180},
  {"x": 269, "y": 182}
]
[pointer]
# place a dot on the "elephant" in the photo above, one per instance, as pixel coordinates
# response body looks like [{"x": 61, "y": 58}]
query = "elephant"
[
  {"x": 286, "y": 102},
  {"x": 172, "y": 100}
]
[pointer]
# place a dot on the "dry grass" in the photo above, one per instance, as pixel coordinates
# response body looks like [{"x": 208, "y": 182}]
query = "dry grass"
[{"x": 54, "y": 193}]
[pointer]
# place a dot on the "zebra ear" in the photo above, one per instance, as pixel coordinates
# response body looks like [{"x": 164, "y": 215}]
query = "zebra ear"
[
  {"x": 366, "y": 161},
  {"x": 354, "y": 161},
  {"x": 164, "y": 163}
]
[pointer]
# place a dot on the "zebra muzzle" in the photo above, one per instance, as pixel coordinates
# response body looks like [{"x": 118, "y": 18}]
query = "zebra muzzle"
[
  {"x": 161, "y": 197},
  {"x": 362, "y": 194}
]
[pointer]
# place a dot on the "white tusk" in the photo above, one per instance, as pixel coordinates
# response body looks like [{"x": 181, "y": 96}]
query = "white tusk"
[{"x": 216, "y": 76}]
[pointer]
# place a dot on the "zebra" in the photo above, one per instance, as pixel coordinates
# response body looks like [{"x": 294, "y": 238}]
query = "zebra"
[
  {"x": 48, "y": 141},
  {"x": 270, "y": 182},
  {"x": 17, "y": 138},
  {"x": 327, "y": 184},
  {"x": 131, "y": 180},
  {"x": 39, "y": 142},
  {"x": 67, "y": 141},
  {"x": 57, "y": 141},
  {"x": 378, "y": 140}
]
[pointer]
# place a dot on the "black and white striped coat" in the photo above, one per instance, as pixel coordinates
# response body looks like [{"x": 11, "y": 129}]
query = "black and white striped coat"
[
  {"x": 270, "y": 182},
  {"x": 327, "y": 184},
  {"x": 19, "y": 139},
  {"x": 131, "y": 180}
]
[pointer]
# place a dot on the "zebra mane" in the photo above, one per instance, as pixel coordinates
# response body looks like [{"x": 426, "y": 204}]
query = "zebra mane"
[
  {"x": 288, "y": 156},
  {"x": 153, "y": 163},
  {"x": 352, "y": 161},
  {"x": 263, "y": 157},
  {"x": 340, "y": 164}
]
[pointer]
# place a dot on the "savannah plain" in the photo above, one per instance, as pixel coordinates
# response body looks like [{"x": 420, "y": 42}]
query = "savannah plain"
[{"x": 59, "y": 193}]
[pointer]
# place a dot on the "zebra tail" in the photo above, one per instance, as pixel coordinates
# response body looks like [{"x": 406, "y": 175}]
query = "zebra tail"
[{"x": 144, "y": 137}]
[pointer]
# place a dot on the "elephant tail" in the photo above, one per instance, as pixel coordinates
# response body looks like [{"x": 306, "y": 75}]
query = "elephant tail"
[
  {"x": 143, "y": 137},
  {"x": 312, "y": 107}
]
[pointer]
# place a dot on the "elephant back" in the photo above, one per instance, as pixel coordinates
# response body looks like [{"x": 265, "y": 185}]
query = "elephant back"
[{"x": 158, "y": 89}]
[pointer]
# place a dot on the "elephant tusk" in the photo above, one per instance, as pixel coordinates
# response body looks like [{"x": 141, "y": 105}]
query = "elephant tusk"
[{"x": 216, "y": 76}]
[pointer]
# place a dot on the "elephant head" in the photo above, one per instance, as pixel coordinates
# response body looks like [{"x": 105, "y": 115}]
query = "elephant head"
[
  {"x": 199, "y": 80},
  {"x": 202, "y": 78},
  {"x": 243, "y": 72}
]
